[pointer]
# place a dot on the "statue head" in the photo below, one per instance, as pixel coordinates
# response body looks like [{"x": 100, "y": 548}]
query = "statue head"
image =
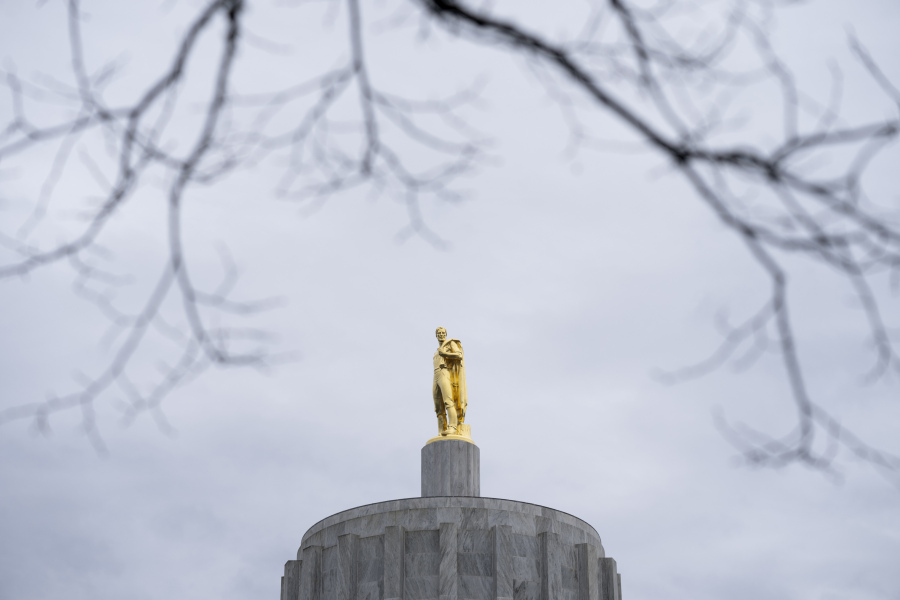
[{"x": 441, "y": 334}]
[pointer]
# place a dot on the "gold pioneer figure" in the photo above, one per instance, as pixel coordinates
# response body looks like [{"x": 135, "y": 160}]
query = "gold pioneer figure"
[{"x": 449, "y": 388}]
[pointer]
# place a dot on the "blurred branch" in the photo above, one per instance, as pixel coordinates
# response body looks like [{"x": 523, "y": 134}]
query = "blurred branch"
[
  {"x": 339, "y": 129},
  {"x": 318, "y": 157},
  {"x": 824, "y": 219},
  {"x": 137, "y": 134}
]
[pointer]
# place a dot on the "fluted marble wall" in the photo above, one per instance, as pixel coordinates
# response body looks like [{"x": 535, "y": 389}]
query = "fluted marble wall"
[{"x": 451, "y": 548}]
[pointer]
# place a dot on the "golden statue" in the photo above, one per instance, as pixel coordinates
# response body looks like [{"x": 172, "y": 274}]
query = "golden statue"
[{"x": 449, "y": 387}]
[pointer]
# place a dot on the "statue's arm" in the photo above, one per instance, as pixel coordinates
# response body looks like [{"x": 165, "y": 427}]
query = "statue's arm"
[{"x": 452, "y": 351}]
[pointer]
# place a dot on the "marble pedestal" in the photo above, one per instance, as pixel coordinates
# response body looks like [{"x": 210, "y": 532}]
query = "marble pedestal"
[{"x": 451, "y": 468}]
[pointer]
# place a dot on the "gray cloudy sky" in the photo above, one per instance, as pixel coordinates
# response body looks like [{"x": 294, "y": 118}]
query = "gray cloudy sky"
[{"x": 568, "y": 279}]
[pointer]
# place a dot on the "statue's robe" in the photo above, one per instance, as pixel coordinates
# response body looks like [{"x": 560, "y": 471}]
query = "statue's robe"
[{"x": 457, "y": 370}]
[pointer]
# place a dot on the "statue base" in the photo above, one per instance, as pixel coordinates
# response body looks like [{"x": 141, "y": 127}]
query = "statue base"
[{"x": 463, "y": 433}]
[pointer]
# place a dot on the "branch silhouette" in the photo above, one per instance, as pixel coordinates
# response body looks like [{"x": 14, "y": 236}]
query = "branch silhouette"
[
  {"x": 338, "y": 129},
  {"x": 826, "y": 219}
]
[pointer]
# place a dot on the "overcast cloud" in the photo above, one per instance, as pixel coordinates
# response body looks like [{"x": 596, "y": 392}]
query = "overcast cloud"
[{"x": 568, "y": 279}]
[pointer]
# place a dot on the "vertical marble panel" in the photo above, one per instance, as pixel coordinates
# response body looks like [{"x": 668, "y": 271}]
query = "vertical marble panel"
[
  {"x": 311, "y": 574},
  {"x": 587, "y": 565},
  {"x": 394, "y": 544},
  {"x": 448, "y": 576},
  {"x": 567, "y": 568},
  {"x": 472, "y": 587},
  {"x": 609, "y": 582},
  {"x": 501, "y": 538},
  {"x": 422, "y": 564},
  {"x": 329, "y": 572},
  {"x": 421, "y": 588},
  {"x": 619, "y": 586},
  {"x": 475, "y": 540},
  {"x": 423, "y": 541},
  {"x": 369, "y": 591},
  {"x": 526, "y": 546},
  {"x": 476, "y": 564},
  {"x": 347, "y": 563},
  {"x": 526, "y": 590},
  {"x": 551, "y": 566},
  {"x": 370, "y": 566},
  {"x": 290, "y": 583}
]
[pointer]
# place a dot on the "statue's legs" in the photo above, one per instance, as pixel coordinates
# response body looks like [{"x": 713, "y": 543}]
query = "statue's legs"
[{"x": 442, "y": 391}]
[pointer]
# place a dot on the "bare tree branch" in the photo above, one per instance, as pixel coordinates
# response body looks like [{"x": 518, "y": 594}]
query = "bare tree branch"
[
  {"x": 340, "y": 129},
  {"x": 823, "y": 219}
]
